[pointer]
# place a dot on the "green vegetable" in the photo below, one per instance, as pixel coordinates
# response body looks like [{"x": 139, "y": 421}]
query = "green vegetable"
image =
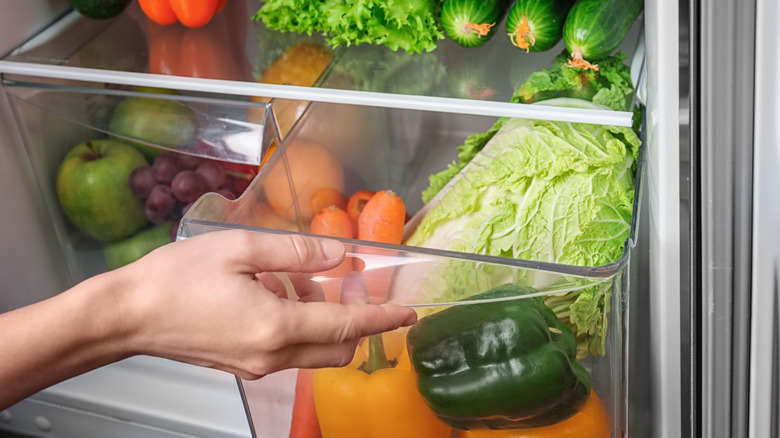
[
  {"x": 410, "y": 25},
  {"x": 100, "y": 9},
  {"x": 471, "y": 23},
  {"x": 542, "y": 191},
  {"x": 610, "y": 85},
  {"x": 500, "y": 364},
  {"x": 595, "y": 28},
  {"x": 537, "y": 25}
]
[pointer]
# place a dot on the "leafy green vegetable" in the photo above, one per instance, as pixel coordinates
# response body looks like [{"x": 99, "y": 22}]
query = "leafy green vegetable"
[
  {"x": 410, "y": 25},
  {"x": 609, "y": 86},
  {"x": 543, "y": 191}
]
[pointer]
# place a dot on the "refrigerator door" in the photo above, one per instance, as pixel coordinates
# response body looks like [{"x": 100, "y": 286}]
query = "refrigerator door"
[
  {"x": 725, "y": 150},
  {"x": 764, "y": 381}
]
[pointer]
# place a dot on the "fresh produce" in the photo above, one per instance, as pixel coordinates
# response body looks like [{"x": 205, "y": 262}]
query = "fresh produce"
[
  {"x": 100, "y": 9},
  {"x": 375, "y": 396},
  {"x": 591, "y": 422},
  {"x": 122, "y": 252},
  {"x": 595, "y": 28},
  {"x": 326, "y": 197},
  {"x": 332, "y": 221},
  {"x": 92, "y": 189},
  {"x": 471, "y": 23},
  {"x": 381, "y": 220},
  {"x": 191, "y": 13},
  {"x": 409, "y": 25},
  {"x": 356, "y": 203},
  {"x": 500, "y": 364},
  {"x": 153, "y": 122},
  {"x": 610, "y": 85},
  {"x": 304, "y": 422},
  {"x": 173, "y": 182},
  {"x": 536, "y": 190},
  {"x": 311, "y": 167},
  {"x": 335, "y": 222},
  {"x": 537, "y": 25}
]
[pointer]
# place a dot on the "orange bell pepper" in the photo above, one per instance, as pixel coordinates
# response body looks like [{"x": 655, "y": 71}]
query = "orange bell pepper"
[
  {"x": 191, "y": 13},
  {"x": 374, "y": 398},
  {"x": 591, "y": 422},
  {"x": 214, "y": 51}
]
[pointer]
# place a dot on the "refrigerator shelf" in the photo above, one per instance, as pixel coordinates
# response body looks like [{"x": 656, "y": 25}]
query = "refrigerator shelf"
[{"x": 236, "y": 56}]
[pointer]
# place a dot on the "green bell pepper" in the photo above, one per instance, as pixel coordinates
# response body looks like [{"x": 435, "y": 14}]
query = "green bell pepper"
[{"x": 501, "y": 364}]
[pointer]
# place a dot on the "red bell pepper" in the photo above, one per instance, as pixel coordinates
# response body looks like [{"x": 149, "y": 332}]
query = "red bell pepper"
[{"x": 191, "y": 13}]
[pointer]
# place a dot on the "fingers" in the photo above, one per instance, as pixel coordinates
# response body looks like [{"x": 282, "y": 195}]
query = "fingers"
[
  {"x": 353, "y": 289},
  {"x": 336, "y": 323},
  {"x": 257, "y": 252},
  {"x": 306, "y": 289}
]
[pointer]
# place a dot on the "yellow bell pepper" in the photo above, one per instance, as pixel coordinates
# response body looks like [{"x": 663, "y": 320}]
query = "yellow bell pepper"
[
  {"x": 591, "y": 422},
  {"x": 371, "y": 398}
]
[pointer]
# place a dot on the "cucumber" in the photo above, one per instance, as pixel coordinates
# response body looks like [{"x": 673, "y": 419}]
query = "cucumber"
[
  {"x": 100, "y": 9},
  {"x": 537, "y": 25},
  {"x": 595, "y": 28},
  {"x": 471, "y": 23}
]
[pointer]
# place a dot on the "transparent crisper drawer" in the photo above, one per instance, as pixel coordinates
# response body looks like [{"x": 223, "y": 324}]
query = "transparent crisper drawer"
[
  {"x": 369, "y": 148},
  {"x": 55, "y": 116}
]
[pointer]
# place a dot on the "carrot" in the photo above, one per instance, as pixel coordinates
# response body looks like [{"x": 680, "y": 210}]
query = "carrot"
[
  {"x": 326, "y": 196},
  {"x": 356, "y": 203},
  {"x": 335, "y": 222},
  {"x": 381, "y": 220},
  {"x": 332, "y": 221},
  {"x": 304, "y": 423}
]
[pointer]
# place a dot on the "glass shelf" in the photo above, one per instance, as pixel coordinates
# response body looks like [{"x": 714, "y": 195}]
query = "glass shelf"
[{"x": 234, "y": 54}]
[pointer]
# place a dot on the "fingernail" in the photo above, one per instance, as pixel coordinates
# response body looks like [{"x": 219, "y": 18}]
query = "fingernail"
[
  {"x": 410, "y": 320},
  {"x": 332, "y": 249}
]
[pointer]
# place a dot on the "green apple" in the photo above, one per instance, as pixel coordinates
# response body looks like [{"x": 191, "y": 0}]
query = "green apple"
[
  {"x": 160, "y": 122},
  {"x": 93, "y": 189},
  {"x": 122, "y": 252}
]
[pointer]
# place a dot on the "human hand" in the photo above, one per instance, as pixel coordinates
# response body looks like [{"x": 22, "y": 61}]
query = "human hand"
[{"x": 211, "y": 300}]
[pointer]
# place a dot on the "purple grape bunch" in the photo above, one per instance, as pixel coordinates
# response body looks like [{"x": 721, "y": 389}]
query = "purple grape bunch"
[{"x": 174, "y": 182}]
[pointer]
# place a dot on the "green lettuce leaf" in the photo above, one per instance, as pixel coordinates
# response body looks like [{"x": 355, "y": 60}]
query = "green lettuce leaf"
[{"x": 409, "y": 25}]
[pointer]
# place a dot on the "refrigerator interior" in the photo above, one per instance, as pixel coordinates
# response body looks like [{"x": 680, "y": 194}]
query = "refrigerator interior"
[{"x": 428, "y": 112}]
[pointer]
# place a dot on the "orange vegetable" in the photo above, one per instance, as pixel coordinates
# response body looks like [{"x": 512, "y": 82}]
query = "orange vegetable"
[
  {"x": 326, "y": 196},
  {"x": 304, "y": 423},
  {"x": 311, "y": 167},
  {"x": 366, "y": 401},
  {"x": 191, "y": 13},
  {"x": 335, "y": 222},
  {"x": 356, "y": 203},
  {"x": 591, "y": 422},
  {"x": 332, "y": 221},
  {"x": 381, "y": 220}
]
